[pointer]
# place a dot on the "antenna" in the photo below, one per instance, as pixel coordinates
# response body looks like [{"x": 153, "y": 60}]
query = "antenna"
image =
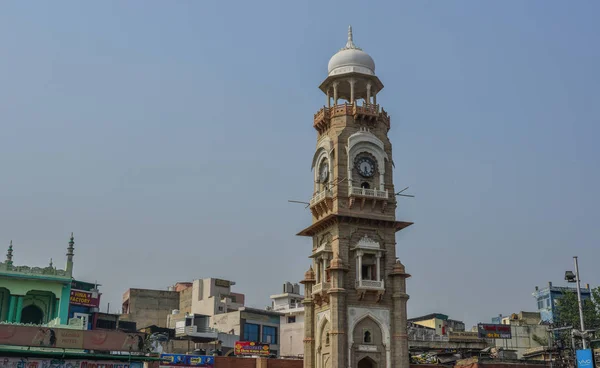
[
  {"x": 306, "y": 203},
  {"x": 399, "y": 194}
]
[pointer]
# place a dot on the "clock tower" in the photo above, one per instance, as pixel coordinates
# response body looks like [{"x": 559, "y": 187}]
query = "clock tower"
[{"x": 355, "y": 290}]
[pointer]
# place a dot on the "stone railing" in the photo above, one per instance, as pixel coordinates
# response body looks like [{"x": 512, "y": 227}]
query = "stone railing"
[
  {"x": 370, "y": 284},
  {"x": 363, "y": 192},
  {"x": 368, "y": 109},
  {"x": 321, "y": 287},
  {"x": 326, "y": 113},
  {"x": 321, "y": 195}
]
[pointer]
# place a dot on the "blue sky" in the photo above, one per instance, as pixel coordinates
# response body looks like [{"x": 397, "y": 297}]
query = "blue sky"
[{"x": 169, "y": 136}]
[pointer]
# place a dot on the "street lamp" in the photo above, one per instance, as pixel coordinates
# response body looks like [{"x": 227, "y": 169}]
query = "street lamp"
[{"x": 570, "y": 277}]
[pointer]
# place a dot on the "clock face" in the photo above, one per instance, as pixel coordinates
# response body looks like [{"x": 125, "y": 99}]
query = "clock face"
[
  {"x": 324, "y": 172},
  {"x": 365, "y": 166}
]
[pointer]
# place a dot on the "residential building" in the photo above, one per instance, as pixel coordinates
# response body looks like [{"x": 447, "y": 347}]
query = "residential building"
[
  {"x": 549, "y": 297},
  {"x": 291, "y": 332},
  {"x": 440, "y": 322},
  {"x": 355, "y": 288},
  {"x": 35, "y": 295},
  {"x": 214, "y": 296},
  {"x": 84, "y": 302},
  {"x": 526, "y": 333},
  {"x": 147, "y": 307},
  {"x": 251, "y": 324}
]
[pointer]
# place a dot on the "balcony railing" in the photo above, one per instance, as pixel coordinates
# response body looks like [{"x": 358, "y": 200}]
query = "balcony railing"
[
  {"x": 196, "y": 330},
  {"x": 320, "y": 196},
  {"x": 370, "y": 284},
  {"x": 288, "y": 306},
  {"x": 373, "y": 193},
  {"x": 321, "y": 287}
]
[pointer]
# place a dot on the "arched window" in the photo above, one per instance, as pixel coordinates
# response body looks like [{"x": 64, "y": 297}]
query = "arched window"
[
  {"x": 365, "y": 185},
  {"x": 367, "y": 337}
]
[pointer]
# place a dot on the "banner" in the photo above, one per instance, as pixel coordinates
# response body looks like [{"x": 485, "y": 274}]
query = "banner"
[
  {"x": 493, "y": 331},
  {"x": 71, "y": 339},
  {"x": 180, "y": 360},
  {"x": 6, "y": 362},
  {"x": 585, "y": 358},
  {"x": 462, "y": 336},
  {"x": 85, "y": 298},
  {"x": 251, "y": 348}
]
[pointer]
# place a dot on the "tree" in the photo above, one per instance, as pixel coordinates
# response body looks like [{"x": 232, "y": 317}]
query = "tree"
[
  {"x": 567, "y": 310},
  {"x": 567, "y": 314}
]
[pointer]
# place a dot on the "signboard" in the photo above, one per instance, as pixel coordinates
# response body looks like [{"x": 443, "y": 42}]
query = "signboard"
[
  {"x": 85, "y": 298},
  {"x": 585, "y": 358},
  {"x": 493, "y": 331},
  {"x": 70, "y": 339},
  {"x": 180, "y": 360},
  {"x": 462, "y": 336},
  {"x": 370, "y": 348},
  {"x": 251, "y": 348},
  {"x": 222, "y": 283},
  {"x": 20, "y": 362}
]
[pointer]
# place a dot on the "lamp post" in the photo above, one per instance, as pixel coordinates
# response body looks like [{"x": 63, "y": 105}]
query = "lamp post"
[{"x": 576, "y": 280}]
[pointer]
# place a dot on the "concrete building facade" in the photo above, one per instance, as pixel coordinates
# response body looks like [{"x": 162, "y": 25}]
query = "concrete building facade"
[
  {"x": 251, "y": 324},
  {"x": 148, "y": 307},
  {"x": 440, "y": 323},
  {"x": 526, "y": 331},
  {"x": 289, "y": 304},
  {"x": 355, "y": 290}
]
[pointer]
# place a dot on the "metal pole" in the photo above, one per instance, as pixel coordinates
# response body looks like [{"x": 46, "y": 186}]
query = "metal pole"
[{"x": 580, "y": 304}]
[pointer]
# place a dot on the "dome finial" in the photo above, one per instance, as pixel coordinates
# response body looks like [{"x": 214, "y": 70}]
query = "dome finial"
[{"x": 350, "y": 44}]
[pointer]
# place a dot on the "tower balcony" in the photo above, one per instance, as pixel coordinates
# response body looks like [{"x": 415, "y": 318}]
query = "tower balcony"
[
  {"x": 373, "y": 193},
  {"x": 375, "y": 196},
  {"x": 321, "y": 203},
  {"x": 321, "y": 288},
  {"x": 370, "y": 285},
  {"x": 369, "y": 112}
]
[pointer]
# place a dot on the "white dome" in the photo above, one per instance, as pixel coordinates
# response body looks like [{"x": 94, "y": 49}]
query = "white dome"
[{"x": 351, "y": 59}]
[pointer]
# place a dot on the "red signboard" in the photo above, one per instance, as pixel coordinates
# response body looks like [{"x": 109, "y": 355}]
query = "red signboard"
[
  {"x": 85, "y": 298},
  {"x": 251, "y": 348},
  {"x": 70, "y": 339}
]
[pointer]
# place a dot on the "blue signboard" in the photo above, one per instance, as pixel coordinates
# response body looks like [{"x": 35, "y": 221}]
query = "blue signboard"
[
  {"x": 585, "y": 359},
  {"x": 181, "y": 360}
]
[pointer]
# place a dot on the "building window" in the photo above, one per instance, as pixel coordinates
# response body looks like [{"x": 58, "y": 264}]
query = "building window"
[
  {"x": 269, "y": 335},
  {"x": 327, "y": 338},
  {"x": 220, "y": 309},
  {"x": 367, "y": 272},
  {"x": 367, "y": 338},
  {"x": 291, "y": 319},
  {"x": 251, "y": 332}
]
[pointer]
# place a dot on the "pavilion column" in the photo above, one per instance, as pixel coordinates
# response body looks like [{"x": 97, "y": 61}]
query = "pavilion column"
[
  {"x": 328, "y": 98},
  {"x": 378, "y": 266},
  {"x": 19, "y": 308},
  {"x": 375, "y": 98},
  {"x": 352, "y": 81},
  {"x": 324, "y": 260},
  {"x": 335, "y": 93},
  {"x": 368, "y": 93},
  {"x": 12, "y": 306},
  {"x": 360, "y": 275}
]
